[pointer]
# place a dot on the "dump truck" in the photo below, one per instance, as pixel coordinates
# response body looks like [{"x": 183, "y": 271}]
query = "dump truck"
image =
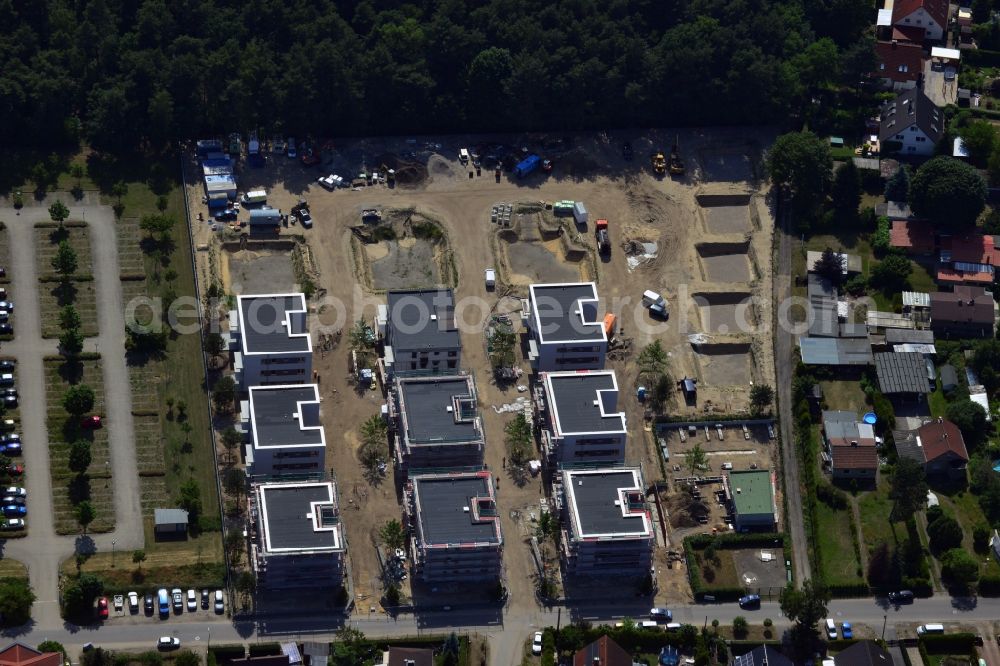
[
  {"x": 659, "y": 163},
  {"x": 676, "y": 163},
  {"x": 601, "y": 234}
]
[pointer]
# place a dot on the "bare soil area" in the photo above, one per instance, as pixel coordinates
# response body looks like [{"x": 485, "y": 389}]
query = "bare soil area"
[
  {"x": 258, "y": 272},
  {"x": 639, "y": 208}
]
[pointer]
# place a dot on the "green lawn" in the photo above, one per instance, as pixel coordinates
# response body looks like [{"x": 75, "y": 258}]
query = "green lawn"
[
  {"x": 875, "y": 507},
  {"x": 846, "y": 395},
  {"x": 965, "y": 507},
  {"x": 722, "y": 575},
  {"x": 836, "y": 542},
  {"x": 178, "y": 377},
  {"x": 936, "y": 401}
]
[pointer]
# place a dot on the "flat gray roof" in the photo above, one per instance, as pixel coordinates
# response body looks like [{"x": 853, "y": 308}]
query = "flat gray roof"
[
  {"x": 441, "y": 508},
  {"x": 597, "y": 503},
  {"x": 835, "y": 351},
  {"x": 902, "y": 372},
  {"x": 559, "y": 315},
  {"x": 288, "y": 522},
  {"x": 572, "y": 402},
  {"x": 170, "y": 516},
  {"x": 277, "y": 418},
  {"x": 895, "y": 336},
  {"x": 422, "y": 319},
  {"x": 266, "y": 326},
  {"x": 426, "y": 404}
]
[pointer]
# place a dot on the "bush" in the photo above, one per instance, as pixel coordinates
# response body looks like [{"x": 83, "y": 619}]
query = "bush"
[{"x": 831, "y": 496}]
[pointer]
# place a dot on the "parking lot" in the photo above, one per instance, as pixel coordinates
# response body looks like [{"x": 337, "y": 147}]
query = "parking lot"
[{"x": 146, "y": 605}]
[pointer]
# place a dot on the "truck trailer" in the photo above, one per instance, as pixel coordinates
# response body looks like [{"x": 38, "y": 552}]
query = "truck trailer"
[{"x": 527, "y": 165}]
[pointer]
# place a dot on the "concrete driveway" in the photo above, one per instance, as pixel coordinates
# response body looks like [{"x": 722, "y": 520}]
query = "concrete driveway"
[{"x": 43, "y": 550}]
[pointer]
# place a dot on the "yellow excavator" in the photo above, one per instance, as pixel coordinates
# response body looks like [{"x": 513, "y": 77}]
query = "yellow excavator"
[
  {"x": 676, "y": 163},
  {"x": 659, "y": 163}
]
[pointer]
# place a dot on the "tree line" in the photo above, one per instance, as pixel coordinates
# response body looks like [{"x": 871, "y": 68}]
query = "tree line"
[{"x": 128, "y": 74}]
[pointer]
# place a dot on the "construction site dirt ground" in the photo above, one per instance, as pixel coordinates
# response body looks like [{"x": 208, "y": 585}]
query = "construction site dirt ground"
[{"x": 640, "y": 209}]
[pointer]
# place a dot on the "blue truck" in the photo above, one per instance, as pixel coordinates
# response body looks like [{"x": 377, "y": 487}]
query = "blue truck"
[{"x": 527, "y": 165}]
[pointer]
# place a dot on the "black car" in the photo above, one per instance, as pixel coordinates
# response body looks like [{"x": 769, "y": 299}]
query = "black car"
[
  {"x": 148, "y": 604},
  {"x": 7, "y": 366},
  {"x": 627, "y": 151},
  {"x": 901, "y": 597},
  {"x": 204, "y": 598},
  {"x": 6, "y": 329},
  {"x": 750, "y": 601},
  {"x": 226, "y": 215},
  {"x": 10, "y": 438}
]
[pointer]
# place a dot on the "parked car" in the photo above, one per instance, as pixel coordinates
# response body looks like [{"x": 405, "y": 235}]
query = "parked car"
[
  {"x": 13, "y": 449},
  {"x": 16, "y": 491},
  {"x": 178, "y": 599},
  {"x": 10, "y": 438},
  {"x": 6, "y": 329},
  {"x": 220, "y": 604},
  {"x": 7, "y": 378},
  {"x": 7, "y": 365},
  {"x": 660, "y": 615},
  {"x": 148, "y": 604},
  {"x": 750, "y": 601},
  {"x": 14, "y": 510},
  {"x": 227, "y": 215},
  {"x": 192, "y": 601},
  {"x": 204, "y": 598},
  {"x": 901, "y": 597},
  {"x": 536, "y": 643},
  {"x": 305, "y": 219},
  {"x": 168, "y": 643},
  {"x": 92, "y": 422},
  {"x": 14, "y": 470},
  {"x": 7, "y": 305},
  {"x": 4, "y": 315},
  {"x": 133, "y": 602},
  {"x": 292, "y": 153},
  {"x": 12, "y": 524},
  {"x": 10, "y": 499},
  {"x": 102, "y": 608},
  {"x": 846, "y": 631}
]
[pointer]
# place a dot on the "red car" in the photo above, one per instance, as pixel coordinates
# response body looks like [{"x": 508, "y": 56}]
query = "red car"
[
  {"x": 15, "y": 470},
  {"x": 93, "y": 422},
  {"x": 102, "y": 608}
]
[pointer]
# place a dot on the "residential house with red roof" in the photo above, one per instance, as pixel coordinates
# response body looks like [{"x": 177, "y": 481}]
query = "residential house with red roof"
[
  {"x": 900, "y": 64},
  {"x": 603, "y": 651},
  {"x": 851, "y": 446},
  {"x": 931, "y": 16},
  {"x": 912, "y": 236},
  {"x": 18, "y": 654},
  {"x": 937, "y": 445},
  {"x": 968, "y": 259}
]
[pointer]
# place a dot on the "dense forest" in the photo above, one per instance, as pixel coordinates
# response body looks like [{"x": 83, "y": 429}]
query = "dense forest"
[{"x": 131, "y": 73}]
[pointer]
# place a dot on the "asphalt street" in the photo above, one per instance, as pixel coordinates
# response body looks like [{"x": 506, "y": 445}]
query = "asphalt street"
[{"x": 506, "y": 635}]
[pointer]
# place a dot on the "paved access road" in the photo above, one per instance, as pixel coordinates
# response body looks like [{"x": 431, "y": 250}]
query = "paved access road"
[
  {"x": 506, "y": 636},
  {"x": 43, "y": 550}
]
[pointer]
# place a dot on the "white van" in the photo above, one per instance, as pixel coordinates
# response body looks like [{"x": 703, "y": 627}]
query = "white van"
[
  {"x": 463, "y": 155},
  {"x": 831, "y": 629},
  {"x": 930, "y": 629},
  {"x": 254, "y": 198},
  {"x": 649, "y": 624}
]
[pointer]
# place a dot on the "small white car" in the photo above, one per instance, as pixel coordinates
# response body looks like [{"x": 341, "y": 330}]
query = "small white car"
[
  {"x": 491, "y": 278},
  {"x": 133, "y": 602},
  {"x": 536, "y": 643},
  {"x": 192, "y": 601},
  {"x": 168, "y": 643},
  {"x": 220, "y": 605},
  {"x": 15, "y": 491}
]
